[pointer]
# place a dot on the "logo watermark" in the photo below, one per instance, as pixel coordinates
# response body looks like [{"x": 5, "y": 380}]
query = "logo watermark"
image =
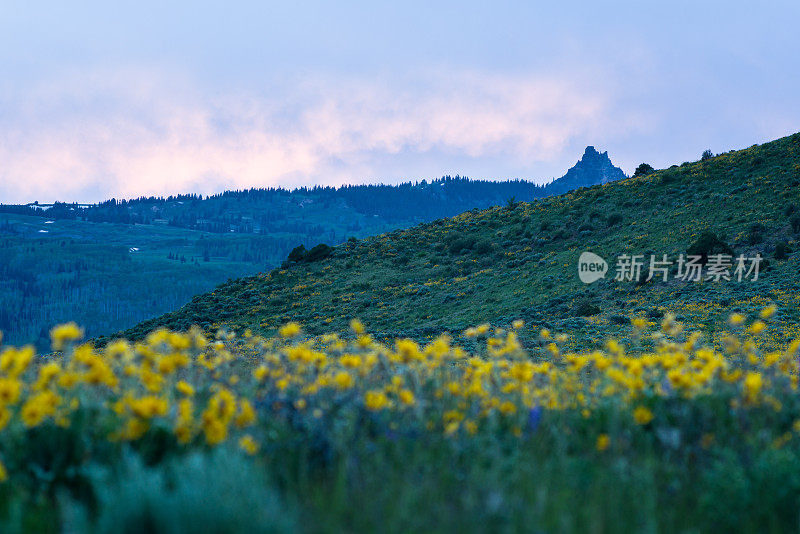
[
  {"x": 689, "y": 268},
  {"x": 591, "y": 267}
]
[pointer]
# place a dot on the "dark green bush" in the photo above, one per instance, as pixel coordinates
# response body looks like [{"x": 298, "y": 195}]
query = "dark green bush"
[
  {"x": 319, "y": 252},
  {"x": 297, "y": 254},
  {"x": 708, "y": 244}
]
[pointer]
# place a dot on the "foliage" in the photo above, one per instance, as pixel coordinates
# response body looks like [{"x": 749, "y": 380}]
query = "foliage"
[
  {"x": 644, "y": 169},
  {"x": 346, "y": 433}
]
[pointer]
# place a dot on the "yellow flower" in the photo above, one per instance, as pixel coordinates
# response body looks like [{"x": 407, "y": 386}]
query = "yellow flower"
[
  {"x": 64, "y": 333},
  {"x": 639, "y": 323},
  {"x": 343, "y": 380},
  {"x": 357, "y": 326},
  {"x": 752, "y": 384},
  {"x": 517, "y": 324},
  {"x": 508, "y": 408},
  {"x": 736, "y": 319},
  {"x": 38, "y": 407},
  {"x": 289, "y": 330},
  {"x": 215, "y": 431},
  {"x": 148, "y": 407},
  {"x": 757, "y": 327},
  {"x": 375, "y": 400},
  {"x": 642, "y": 415},
  {"x": 9, "y": 390},
  {"x": 768, "y": 312},
  {"x": 185, "y": 388},
  {"x": 247, "y": 415},
  {"x": 406, "y": 397},
  {"x": 603, "y": 442},
  {"x": 248, "y": 444}
]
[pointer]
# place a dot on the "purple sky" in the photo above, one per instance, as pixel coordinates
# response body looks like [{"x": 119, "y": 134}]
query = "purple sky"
[{"x": 122, "y": 99}]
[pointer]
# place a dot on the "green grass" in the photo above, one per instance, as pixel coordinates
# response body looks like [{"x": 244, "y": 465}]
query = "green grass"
[{"x": 504, "y": 263}]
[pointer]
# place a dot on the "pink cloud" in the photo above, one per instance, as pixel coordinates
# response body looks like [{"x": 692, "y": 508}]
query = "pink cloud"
[{"x": 129, "y": 133}]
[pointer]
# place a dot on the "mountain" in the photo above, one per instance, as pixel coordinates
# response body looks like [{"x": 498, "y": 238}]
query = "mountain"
[
  {"x": 103, "y": 265},
  {"x": 521, "y": 261},
  {"x": 593, "y": 168}
]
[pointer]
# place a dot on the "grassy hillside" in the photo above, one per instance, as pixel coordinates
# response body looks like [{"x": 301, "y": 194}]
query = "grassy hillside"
[
  {"x": 503, "y": 263},
  {"x": 114, "y": 264}
]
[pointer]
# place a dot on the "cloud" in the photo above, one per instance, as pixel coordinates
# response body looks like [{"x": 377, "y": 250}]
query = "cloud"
[{"x": 128, "y": 132}]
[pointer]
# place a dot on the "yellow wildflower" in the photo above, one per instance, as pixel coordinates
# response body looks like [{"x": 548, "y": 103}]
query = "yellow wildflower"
[
  {"x": 64, "y": 333},
  {"x": 642, "y": 415}
]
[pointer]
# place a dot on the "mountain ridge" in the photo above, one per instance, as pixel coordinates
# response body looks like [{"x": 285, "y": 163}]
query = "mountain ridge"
[{"x": 501, "y": 264}]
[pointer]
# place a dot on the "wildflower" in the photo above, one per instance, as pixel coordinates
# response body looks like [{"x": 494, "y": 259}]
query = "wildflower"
[
  {"x": 184, "y": 388},
  {"x": 149, "y": 407},
  {"x": 38, "y": 407},
  {"x": 357, "y": 326},
  {"x": 642, "y": 415},
  {"x": 343, "y": 380},
  {"x": 752, "y": 384},
  {"x": 248, "y": 444},
  {"x": 64, "y": 333},
  {"x": 247, "y": 415},
  {"x": 639, "y": 323},
  {"x": 508, "y": 408},
  {"x": 517, "y": 324},
  {"x": 768, "y": 312},
  {"x": 406, "y": 397},
  {"x": 757, "y": 327},
  {"x": 544, "y": 333},
  {"x": 603, "y": 442},
  {"x": 10, "y": 389},
  {"x": 375, "y": 400},
  {"x": 289, "y": 330},
  {"x": 736, "y": 319}
]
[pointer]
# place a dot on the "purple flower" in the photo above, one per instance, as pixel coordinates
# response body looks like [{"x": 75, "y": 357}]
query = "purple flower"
[{"x": 534, "y": 418}]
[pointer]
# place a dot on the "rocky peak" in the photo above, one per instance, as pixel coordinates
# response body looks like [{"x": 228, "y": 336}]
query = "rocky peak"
[{"x": 593, "y": 168}]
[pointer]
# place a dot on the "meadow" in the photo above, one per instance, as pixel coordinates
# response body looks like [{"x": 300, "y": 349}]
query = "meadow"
[{"x": 185, "y": 432}]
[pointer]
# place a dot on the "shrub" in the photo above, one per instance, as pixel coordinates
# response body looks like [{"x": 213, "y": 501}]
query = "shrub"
[
  {"x": 484, "y": 246},
  {"x": 782, "y": 251},
  {"x": 795, "y": 222},
  {"x": 643, "y": 170},
  {"x": 319, "y": 252},
  {"x": 707, "y": 155},
  {"x": 586, "y": 309},
  {"x": 297, "y": 254},
  {"x": 707, "y": 244},
  {"x": 462, "y": 243}
]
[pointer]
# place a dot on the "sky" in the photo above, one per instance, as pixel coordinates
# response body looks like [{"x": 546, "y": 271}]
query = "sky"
[{"x": 123, "y": 99}]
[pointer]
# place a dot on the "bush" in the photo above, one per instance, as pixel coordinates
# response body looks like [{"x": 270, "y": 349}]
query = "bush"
[
  {"x": 319, "y": 252},
  {"x": 462, "y": 243},
  {"x": 708, "y": 244},
  {"x": 614, "y": 219},
  {"x": 782, "y": 250},
  {"x": 484, "y": 246},
  {"x": 644, "y": 169},
  {"x": 297, "y": 254},
  {"x": 795, "y": 222},
  {"x": 586, "y": 309},
  {"x": 707, "y": 155}
]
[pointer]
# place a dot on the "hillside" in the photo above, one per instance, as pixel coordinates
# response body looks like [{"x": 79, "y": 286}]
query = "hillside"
[
  {"x": 112, "y": 265},
  {"x": 503, "y": 263}
]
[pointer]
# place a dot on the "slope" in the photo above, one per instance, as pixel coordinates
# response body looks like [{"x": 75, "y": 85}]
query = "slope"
[{"x": 521, "y": 261}]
